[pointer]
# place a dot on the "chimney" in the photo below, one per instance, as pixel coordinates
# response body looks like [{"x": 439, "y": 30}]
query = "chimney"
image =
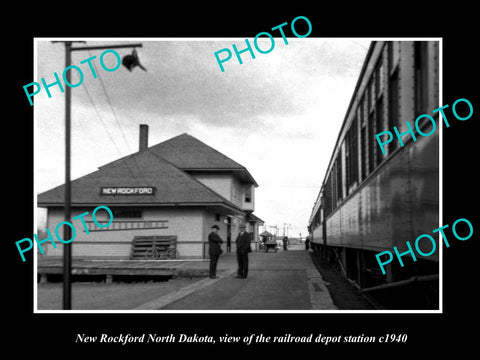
[{"x": 143, "y": 141}]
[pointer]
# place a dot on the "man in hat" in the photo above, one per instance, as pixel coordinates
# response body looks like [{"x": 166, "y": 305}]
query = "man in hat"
[
  {"x": 243, "y": 248},
  {"x": 214, "y": 250}
]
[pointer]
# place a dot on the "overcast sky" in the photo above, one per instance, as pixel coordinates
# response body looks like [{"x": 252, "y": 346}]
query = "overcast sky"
[{"x": 278, "y": 114}]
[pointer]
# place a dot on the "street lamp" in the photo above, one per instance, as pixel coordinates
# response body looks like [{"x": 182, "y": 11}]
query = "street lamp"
[{"x": 130, "y": 61}]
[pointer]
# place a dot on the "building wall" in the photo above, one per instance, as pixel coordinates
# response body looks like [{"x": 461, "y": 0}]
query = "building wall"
[
  {"x": 237, "y": 192},
  {"x": 220, "y": 183},
  {"x": 185, "y": 223},
  {"x": 228, "y": 186}
]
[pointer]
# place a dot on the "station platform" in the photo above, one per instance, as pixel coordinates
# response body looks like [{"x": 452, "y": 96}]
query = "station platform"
[
  {"x": 277, "y": 281},
  {"x": 173, "y": 268},
  {"x": 112, "y": 268}
]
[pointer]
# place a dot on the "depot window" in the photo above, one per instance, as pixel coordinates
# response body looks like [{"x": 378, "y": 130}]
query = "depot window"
[
  {"x": 248, "y": 194},
  {"x": 126, "y": 213}
]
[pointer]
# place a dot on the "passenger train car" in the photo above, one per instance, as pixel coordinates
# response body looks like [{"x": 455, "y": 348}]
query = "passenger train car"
[{"x": 370, "y": 201}]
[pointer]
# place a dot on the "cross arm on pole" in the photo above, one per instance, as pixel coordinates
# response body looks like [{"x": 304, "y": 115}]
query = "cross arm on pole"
[{"x": 97, "y": 47}]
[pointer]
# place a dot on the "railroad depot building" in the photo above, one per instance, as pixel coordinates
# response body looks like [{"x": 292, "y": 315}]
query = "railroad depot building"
[{"x": 178, "y": 188}]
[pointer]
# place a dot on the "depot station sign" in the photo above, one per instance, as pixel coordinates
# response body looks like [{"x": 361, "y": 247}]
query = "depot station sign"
[{"x": 127, "y": 190}]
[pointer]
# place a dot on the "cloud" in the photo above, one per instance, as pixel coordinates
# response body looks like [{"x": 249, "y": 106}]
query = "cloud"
[{"x": 184, "y": 79}]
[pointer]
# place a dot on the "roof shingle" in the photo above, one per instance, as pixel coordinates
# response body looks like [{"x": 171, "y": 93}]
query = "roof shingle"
[
  {"x": 187, "y": 152},
  {"x": 173, "y": 186}
]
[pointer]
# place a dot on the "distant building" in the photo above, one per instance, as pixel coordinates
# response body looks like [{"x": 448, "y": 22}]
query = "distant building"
[{"x": 180, "y": 187}]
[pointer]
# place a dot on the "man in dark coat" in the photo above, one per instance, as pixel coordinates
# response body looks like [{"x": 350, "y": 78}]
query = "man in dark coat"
[
  {"x": 214, "y": 250},
  {"x": 307, "y": 243},
  {"x": 243, "y": 248}
]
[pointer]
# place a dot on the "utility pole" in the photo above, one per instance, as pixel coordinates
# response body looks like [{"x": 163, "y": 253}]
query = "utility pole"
[
  {"x": 67, "y": 248},
  {"x": 287, "y": 227},
  {"x": 274, "y": 233}
]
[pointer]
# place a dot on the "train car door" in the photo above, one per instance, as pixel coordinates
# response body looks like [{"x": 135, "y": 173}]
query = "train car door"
[{"x": 324, "y": 233}]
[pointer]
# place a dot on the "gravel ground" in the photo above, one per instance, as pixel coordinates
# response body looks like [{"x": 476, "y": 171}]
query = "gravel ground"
[
  {"x": 102, "y": 296},
  {"x": 344, "y": 295}
]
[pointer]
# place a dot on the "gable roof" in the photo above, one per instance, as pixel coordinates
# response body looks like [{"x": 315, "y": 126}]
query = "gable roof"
[
  {"x": 187, "y": 152},
  {"x": 254, "y": 218},
  {"x": 142, "y": 169},
  {"x": 190, "y": 154}
]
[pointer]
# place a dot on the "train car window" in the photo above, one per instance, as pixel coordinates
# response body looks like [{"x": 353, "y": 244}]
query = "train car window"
[
  {"x": 366, "y": 127},
  {"x": 339, "y": 178},
  {"x": 364, "y": 143},
  {"x": 348, "y": 160},
  {"x": 371, "y": 93},
  {"x": 371, "y": 136},
  {"x": 334, "y": 186},
  {"x": 351, "y": 156},
  {"x": 354, "y": 162},
  {"x": 380, "y": 79},
  {"x": 393, "y": 107},
  {"x": 360, "y": 150},
  {"x": 421, "y": 78},
  {"x": 380, "y": 126},
  {"x": 393, "y": 55},
  {"x": 328, "y": 196}
]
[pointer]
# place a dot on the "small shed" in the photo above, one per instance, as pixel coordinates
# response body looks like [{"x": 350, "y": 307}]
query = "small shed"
[{"x": 266, "y": 236}]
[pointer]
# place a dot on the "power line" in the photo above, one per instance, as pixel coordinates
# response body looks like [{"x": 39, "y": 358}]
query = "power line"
[
  {"x": 111, "y": 106},
  {"x": 105, "y": 126},
  {"x": 360, "y": 45},
  {"x": 101, "y": 119},
  {"x": 118, "y": 123}
]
